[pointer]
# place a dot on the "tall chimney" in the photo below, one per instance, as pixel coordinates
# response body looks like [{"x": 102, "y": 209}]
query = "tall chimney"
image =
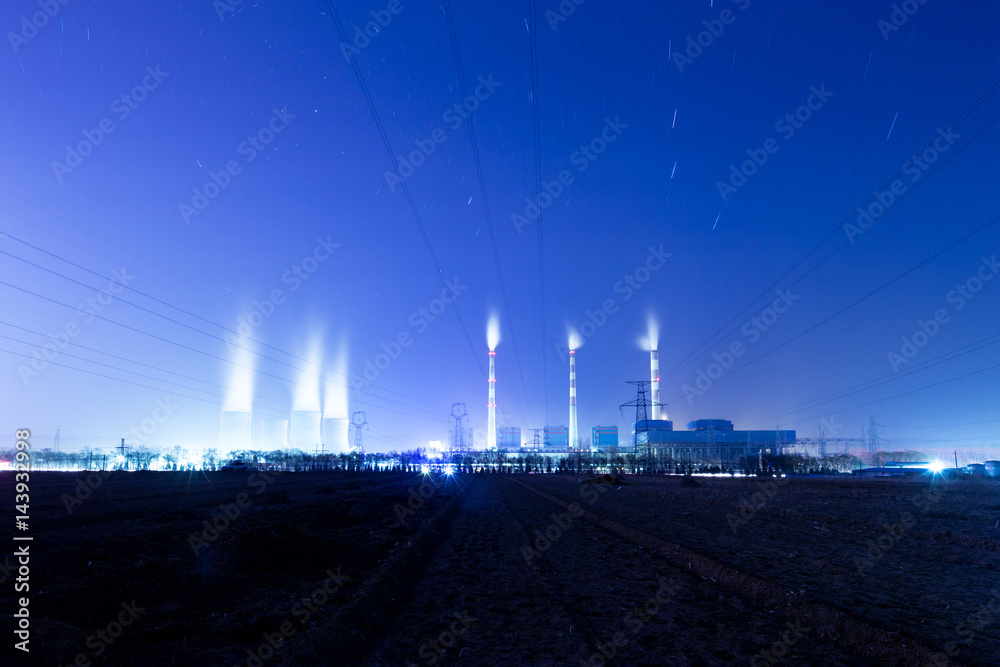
[
  {"x": 574, "y": 439},
  {"x": 654, "y": 378},
  {"x": 491, "y": 420}
]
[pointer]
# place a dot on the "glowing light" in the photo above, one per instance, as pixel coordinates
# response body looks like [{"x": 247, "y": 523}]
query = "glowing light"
[
  {"x": 449, "y": 470},
  {"x": 936, "y": 467},
  {"x": 493, "y": 332},
  {"x": 575, "y": 339},
  {"x": 426, "y": 469},
  {"x": 306, "y": 396},
  {"x": 335, "y": 398},
  {"x": 239, "y": 388},
  {"x": 651, "y": 340}
]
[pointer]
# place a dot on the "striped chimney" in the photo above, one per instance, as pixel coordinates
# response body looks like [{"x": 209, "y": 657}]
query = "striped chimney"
[{"x": 573, "y": 432}]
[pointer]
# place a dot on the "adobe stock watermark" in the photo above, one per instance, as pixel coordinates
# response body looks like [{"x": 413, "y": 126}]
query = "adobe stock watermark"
[
  {"x": 88, "y": 309},
  {"x": 779, "y": 649},
  {"x": 294, "y": 277},
  {"x": 563, "y": 11},
  {"x": 696, "y": 44},
  {"x": 560, "y": 523},
  {"x": 627, "y": 286},
  {"x": 420, "y": 320},
  {"x": 753, "y": 329},
  {"x": 581, "y": 158},
  {"x": 121, "y": 107},
  {"x": 223, "y": 6},
  {"x": 915, "y": 168},
  {"x": 249, "y": 148},
  {"x": 226, "y": 514},
  {"x": 966, "y": 630},
  {"x": 31, "y": 26},
  {"x": 929, "y": 328},
  {"x": 749, "y": 506},
  {"x": 302, "y": 610},
  {"x": 894, "y": 532},
  {"x": 900, "y": 15},
  {"x": 633, "y": 621},
  {"x": 432, "y": 649},
  {"x": 163, "y": 411},
  {"x": 428, "y": 488},
  {"x": 787, "y": 126},
  {"x": 363, "y": 38},
  {"x": 454, "y": 117},
  {"x": 104, "y": 638}
]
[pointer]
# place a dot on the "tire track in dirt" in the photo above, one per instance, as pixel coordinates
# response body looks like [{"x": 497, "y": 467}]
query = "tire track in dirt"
[
  {"x": 353, "y": 629},
  {"x": 699, "y": 623},
  {"x": 829, "y": 622},
  {"x": 479, "y": 574}
]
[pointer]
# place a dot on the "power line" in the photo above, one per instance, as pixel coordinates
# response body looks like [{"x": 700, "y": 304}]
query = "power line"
[
  {"x": 192, "y": 349},
  {"x": 533, "y": 36},
  {"x": 402, "y": 182},
  {"x": 186, "y": 312},
  {"x": 766, "y": 291},
  {"x": 871, "y": 384},
  {"x": 486, "y": 206},
  {"x": 859, "y": 300}
]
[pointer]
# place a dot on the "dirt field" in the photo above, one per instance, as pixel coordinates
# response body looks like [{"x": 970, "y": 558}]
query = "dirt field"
[{"x": 403, "y": 569}]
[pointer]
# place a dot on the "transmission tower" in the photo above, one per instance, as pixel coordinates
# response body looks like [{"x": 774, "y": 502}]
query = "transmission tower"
[
  {"x": 642, "y": 442},
  {"x": 357, "y": 421},
  {"x": 458, "y": 413},
  {"x": 873, "y": 435},
  {"x": 536, "y": 442},
  {"x": 121, "y": 452}
]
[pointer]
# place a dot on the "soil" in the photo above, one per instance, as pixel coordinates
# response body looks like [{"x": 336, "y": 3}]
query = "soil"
[{"x": 341, "y": 568}]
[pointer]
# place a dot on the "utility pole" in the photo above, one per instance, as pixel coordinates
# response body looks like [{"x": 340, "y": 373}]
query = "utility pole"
[
  {"x": 874, "y": 441},
  {"x": 536, "y": 443},
  {"x": 641, "y": 442},
  {"x": 121, "y": 452},
  {"x": 458, "y": 413},
  {"x": 357, "y": 421}
]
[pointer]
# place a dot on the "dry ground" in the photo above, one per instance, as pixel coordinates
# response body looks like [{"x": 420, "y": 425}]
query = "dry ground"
[{"x": 509, "y": 570}]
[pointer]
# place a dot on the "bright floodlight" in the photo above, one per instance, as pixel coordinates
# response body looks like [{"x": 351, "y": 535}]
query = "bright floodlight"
[
  {"x": 936, "y": 466},
  {"x": 449, "y": 469},
  {"x": 426, "y": 469}
]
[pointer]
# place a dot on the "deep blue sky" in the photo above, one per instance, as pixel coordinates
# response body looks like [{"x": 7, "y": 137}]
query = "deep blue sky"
[{"x": 322, "y": 176}]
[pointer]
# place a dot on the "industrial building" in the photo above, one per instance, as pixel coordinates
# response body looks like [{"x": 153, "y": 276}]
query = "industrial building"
[
  {"x": 509, "y": 437},
  {"x": 556, "y": 437},
  {"x": 708, "y": 441},
  {"x": 604, "y": 438}
]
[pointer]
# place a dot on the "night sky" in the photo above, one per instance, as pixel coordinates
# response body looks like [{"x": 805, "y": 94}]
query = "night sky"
[{"x": 170, "y": 169}]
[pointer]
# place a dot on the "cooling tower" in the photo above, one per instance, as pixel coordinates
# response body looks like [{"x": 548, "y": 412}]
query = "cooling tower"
[
  {"x": 574, "y": 439},
  {"x": 336, "y": 431},
  {"x": 491, "y": 420},
  {"x": 234, "y": 430},
  {"x": 273, "y": 434},
  {"x": 305, "y": 430},
  {"x": 654, "y": 381}
]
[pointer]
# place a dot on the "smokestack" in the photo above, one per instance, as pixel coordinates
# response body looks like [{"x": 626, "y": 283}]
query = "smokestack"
[
  {"x": 574, "y": 439},
  {"x": 491, "y": 420},
  {"x": 654, "y": 378}
]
